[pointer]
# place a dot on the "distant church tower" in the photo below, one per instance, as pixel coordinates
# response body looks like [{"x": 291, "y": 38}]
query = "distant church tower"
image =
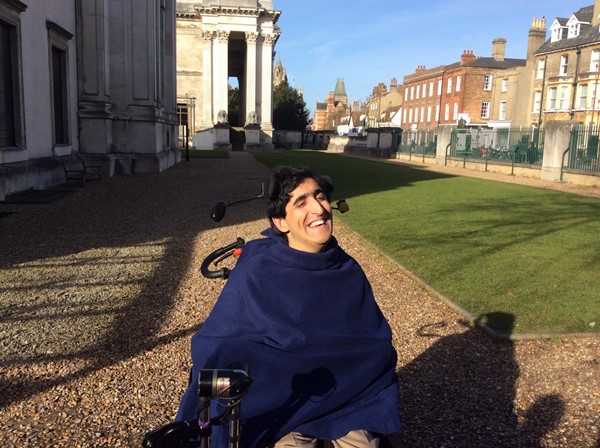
[
  {"x": 339, "y": 94},
  {"x": 279, "y": 74}
]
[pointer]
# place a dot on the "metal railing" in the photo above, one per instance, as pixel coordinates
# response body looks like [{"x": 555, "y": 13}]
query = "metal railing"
[
  {"x": 418, "y": 142},
  {"x": 515, "y": 146},
  {"x": 583, "y": 149}
]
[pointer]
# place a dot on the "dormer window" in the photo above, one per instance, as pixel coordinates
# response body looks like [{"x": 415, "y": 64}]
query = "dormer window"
[
  {"x": 574, "y": 28},
  {"x": 556, "y": 34},
  {"x": 556, "y": 30}
]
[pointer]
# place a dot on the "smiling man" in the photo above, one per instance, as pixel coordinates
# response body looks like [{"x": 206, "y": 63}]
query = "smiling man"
[{"x": 300, "y": 312}]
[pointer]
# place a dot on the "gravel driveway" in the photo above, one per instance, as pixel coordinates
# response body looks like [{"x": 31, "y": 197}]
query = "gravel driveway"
[{"x": 100, "y": 295}]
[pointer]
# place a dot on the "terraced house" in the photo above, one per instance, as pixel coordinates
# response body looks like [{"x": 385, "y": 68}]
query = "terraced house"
[{"x": 567, "y": 71}]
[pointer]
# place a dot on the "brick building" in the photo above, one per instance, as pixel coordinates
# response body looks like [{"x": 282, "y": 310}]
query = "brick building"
[{"x": 329, "y": 115}]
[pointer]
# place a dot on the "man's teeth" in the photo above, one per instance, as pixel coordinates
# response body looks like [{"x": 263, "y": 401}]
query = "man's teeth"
[{"x": 320, "y": 222}]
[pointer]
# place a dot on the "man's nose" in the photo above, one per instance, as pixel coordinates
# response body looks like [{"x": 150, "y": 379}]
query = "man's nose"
[{"x": 316, "y": 206}]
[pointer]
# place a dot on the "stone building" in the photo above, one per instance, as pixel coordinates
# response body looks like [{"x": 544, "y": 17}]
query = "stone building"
[
  {"x": 219, "y": 41},
  {"x": 382, "y": 108},
  {"x": 567, "y": 70},
  {"x": 279, "y": 73},
  {"x": 88, "y": 79}
]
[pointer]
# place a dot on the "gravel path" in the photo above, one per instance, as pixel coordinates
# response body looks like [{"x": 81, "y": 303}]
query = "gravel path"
[{"x": 100, "y": 294}]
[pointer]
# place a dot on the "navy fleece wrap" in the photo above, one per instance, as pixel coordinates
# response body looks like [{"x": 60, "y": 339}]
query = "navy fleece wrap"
[{"x": 317, "y": 344}]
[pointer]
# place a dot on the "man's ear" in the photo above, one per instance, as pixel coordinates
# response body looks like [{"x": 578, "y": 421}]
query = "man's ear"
[{"x": 281, "y": 224}]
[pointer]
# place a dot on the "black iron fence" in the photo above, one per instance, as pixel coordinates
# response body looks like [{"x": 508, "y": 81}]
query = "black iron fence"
[
  {"x": 517, "y": 146},
  {"x": 583, "y": 149}
]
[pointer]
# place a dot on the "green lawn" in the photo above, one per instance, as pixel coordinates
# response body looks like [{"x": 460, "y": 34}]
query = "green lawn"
[{"x": 489, "y": 246}]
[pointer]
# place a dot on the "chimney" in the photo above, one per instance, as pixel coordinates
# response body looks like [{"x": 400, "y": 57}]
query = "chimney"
[
  {"x": 498, "y": 49},
  {"x": 421, "y": 68},
  {"x": 537, "y": 36},
  {"x": 467, "y": 57},
  {"x": 596, "y": 17},
  {"x": 393, "y": 84}
]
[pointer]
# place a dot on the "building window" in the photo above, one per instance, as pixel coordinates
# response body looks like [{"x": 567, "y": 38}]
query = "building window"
[
  {"x": 412, "y": 92},
  {"x": 458, "y": 82},
  {"x": 7, "y": 87},
  {"x": 505, "y": 85},
  {"x": 502, "y": 111},
  {"x": 428, "y": 114},
  {"x": 537, "y": 100},
  {"x": 59, "y": 46},
  {"x": 59, "y": 97},
  {"x": 422, "y": 113},
  {"x": 556, "y": 34},
  {"x": 439, "y": 87},
  {"x": 12, "y": 125},
  {"x": 447, "y": 112},
  {"x": 410, "y": 113},
  {"x": 431, "y": 89},
  {"x": 405, "y": 94},
  {"x": 573, "y": 30},
  {"x": 564, "y": 65},
  {"x": 449, "y": 86},
  {"x": 541, "y": 67},
  {"x": 485, "y": 109},
  {"x": 418, "y": 90},
  {"x": 564, "y": 98},
  {"x": 552, "y": 98},
  {"x": 437, "y": 112},
  {"x": 583, "y": 94},
  {"x": 487, "y": 82},
  {"x": 455, "y": 112},
  {"x": 595, "y": 61}
]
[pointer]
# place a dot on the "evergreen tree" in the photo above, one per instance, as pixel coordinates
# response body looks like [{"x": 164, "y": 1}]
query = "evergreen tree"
[
  {"x": 234, "y": 106},
  {"x": 289, "y": 108}
]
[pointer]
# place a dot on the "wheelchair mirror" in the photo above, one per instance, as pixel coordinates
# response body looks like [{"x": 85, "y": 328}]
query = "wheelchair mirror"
[{"x": 218, "y": 211}]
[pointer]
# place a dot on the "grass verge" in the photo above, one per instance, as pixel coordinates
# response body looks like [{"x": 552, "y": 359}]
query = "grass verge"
[{"x": 490, "y": 247}]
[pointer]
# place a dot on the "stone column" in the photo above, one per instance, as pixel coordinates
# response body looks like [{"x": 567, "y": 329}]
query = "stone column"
[
  {"x": 444, "y": 139},
  {"x": 556, "y": 141},
  {"x": 266, "y": 100},
  {"x": 220, "y": 72},
  {"x": 250, "y": 74},
  {"x": 207, "y": 98}
]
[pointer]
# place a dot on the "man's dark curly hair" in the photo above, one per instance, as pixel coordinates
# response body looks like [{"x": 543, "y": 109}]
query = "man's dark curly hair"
[{"x": 284, "y": 180}]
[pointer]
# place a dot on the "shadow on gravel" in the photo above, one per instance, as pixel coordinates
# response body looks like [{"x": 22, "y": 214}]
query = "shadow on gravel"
[
  {"x": 39, "y": 244},
  {"x": 460, "y": 393}
]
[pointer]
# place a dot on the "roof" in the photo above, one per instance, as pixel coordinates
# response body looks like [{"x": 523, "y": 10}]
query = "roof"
[
  {"x": 340, "y": 88},
  {"x": 493, "y": 63},
  {"x": 588, "y": 33}
]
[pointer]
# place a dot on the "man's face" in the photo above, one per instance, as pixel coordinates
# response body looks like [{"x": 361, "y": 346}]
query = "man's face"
[{"x": 308, "y": 222}]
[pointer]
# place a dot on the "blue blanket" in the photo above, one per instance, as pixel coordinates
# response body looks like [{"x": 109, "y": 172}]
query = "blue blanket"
[{"x": 317, "y": 344}]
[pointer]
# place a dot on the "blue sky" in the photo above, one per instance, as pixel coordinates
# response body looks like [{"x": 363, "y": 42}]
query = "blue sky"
[{"x": 371, "y": 41}]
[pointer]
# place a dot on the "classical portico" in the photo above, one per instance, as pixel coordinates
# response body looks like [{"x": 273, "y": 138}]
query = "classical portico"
[{"x": 222, "y": 39}]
